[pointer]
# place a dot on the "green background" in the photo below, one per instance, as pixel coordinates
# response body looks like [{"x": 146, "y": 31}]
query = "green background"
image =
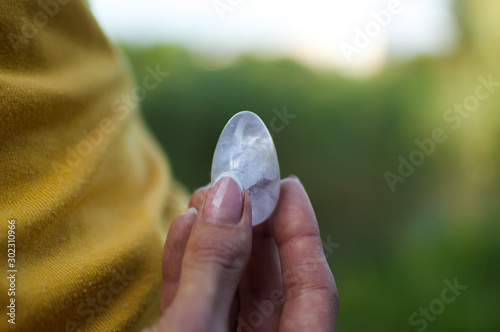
[{"x": 392, "y": 251}]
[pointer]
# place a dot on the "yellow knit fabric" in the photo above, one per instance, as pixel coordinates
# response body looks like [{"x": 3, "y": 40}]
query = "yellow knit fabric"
[{"x": 89, "y": 191}]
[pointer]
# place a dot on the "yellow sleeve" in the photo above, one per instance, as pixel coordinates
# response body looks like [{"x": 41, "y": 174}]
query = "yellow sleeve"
[{"x": 87, "y": 188}]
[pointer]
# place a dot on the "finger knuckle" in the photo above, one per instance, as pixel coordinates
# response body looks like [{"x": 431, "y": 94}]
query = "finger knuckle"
[{"x": 226, "y": 255}]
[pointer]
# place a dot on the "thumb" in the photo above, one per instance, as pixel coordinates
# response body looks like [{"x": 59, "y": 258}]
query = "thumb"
[{"x": 216, "y": 254}]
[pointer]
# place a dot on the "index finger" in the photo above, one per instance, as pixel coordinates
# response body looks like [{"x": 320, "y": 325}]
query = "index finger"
[{"x": 310, "y": 291}]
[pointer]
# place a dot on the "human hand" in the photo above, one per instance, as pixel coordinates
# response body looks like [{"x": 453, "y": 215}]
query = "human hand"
[{"x": 220, "y": 274}]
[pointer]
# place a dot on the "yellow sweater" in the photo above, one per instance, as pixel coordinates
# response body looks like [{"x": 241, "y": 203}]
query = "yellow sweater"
[{"x": 85, "y": 190}]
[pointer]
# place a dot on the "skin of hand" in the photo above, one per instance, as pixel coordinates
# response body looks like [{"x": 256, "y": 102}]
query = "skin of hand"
[{"x": 222, "y": 274}]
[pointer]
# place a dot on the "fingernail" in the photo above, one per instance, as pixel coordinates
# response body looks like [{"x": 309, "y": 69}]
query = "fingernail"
[
  {"x": 291, "y": 176},
  {"x": 224, "y": 203},
  {"x": 192, "y": 210}
]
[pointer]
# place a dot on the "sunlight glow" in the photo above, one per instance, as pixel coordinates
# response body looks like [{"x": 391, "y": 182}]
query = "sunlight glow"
[{"x": 310, "y": 31}]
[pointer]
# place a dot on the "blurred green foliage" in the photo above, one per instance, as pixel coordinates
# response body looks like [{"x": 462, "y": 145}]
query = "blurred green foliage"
[{"x": 396, "y": 248}]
